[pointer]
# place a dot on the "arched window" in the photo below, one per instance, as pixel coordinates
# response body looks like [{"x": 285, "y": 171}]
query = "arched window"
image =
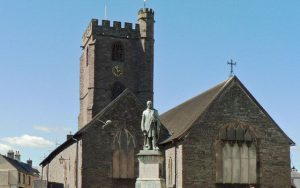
[
  {"x": 236, "y": 157},
  {"x": 117, "y": 89},
  {"x": 123, "y": 155},
  {"x": 117, "y": 52}
]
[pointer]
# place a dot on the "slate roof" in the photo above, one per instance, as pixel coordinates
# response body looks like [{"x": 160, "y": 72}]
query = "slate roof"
[
  {"x": 181, "y": 118},
  {"x": 22, "y": 167},
  {"x": 78, "y": 134}
]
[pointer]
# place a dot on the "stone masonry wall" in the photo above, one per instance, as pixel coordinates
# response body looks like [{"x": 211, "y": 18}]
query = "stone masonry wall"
[
  {"x": 273, "y": 160},
  {"x": 104, "y": 78},
  {"x": 9, "y": 176},
  {"x": 64, "y": 173},
  {"x": 170, "y": 168},
  {"x": 174, "y": 153},
  {"x": 96, "y": 64},
  {"x": 179, "y": 161},
  {"x": 97, "y": 169}
]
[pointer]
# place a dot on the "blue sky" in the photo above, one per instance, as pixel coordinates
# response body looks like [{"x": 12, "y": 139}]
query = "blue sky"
[{"x": 39, "y": 59}]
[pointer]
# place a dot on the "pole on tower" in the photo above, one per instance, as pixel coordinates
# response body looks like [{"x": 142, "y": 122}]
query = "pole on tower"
[
  {"x": 106, "y": 9},
  {"x": 105, "y": 13}
]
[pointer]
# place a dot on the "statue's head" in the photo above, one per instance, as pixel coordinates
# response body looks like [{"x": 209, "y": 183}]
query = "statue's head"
[{"x": 149, "y": 104}]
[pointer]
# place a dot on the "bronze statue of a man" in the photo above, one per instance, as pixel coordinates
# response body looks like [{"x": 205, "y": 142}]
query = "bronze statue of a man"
[{"x": 150, "y": 126}]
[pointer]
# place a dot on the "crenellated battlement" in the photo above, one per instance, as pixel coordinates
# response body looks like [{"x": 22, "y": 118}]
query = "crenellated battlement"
[
  {"x": 148, "y": 10},
  {"x": 115, "y": 29},
  {"x": 118, "y": 26}
]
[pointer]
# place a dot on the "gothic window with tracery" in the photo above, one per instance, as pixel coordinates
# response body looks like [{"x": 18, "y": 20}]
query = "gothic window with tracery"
[
  {"x": 123, "y": 155},
  {"x": 118, "y": 52},
  {"x": 236, "y": 157}
]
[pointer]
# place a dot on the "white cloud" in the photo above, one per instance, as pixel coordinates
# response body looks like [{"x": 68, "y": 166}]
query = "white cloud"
[
  {"x": 42, "y": 128},
  {"x": 28, "y": 141},
  {"x": 51, "y": 129},
  {"x": 4, "y": 148},
  {"x": 295, "y": 148}
]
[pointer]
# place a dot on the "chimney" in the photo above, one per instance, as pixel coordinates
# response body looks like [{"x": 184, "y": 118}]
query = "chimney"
[
  {"x": 18, "y": 156},
  {"x": 10, "y": 154},
  {"x": 29, "y": 162},
  {"x": 70, "y": 135}
]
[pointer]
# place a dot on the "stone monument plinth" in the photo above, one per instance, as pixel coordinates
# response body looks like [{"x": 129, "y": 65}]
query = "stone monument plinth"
[{"x": 150, "y": 170}]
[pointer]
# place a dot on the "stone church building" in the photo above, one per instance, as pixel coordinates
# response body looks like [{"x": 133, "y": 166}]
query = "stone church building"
[{"x": 222, "y": 138}]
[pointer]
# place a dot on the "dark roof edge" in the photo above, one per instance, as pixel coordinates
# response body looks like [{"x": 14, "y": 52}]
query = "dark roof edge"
[{"x": 77, "y": 135}]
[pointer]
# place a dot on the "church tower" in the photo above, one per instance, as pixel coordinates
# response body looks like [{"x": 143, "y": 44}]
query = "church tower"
[{"x": 115, "y": 58}]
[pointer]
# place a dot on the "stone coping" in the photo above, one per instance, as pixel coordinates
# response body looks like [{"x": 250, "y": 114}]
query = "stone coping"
[
  {"x": 149, "y": 152},
  {"x": 150, "y": 179}
]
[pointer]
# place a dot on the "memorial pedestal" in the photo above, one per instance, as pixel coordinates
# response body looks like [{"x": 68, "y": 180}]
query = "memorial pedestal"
[{"x": 150, "y": 170}]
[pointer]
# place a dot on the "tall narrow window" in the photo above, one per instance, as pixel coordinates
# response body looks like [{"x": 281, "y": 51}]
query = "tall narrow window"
[
  {"x": 117, "y": 52},
  {"x": 123, "y": 155},
  {"x": 235, "y": 157}
]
